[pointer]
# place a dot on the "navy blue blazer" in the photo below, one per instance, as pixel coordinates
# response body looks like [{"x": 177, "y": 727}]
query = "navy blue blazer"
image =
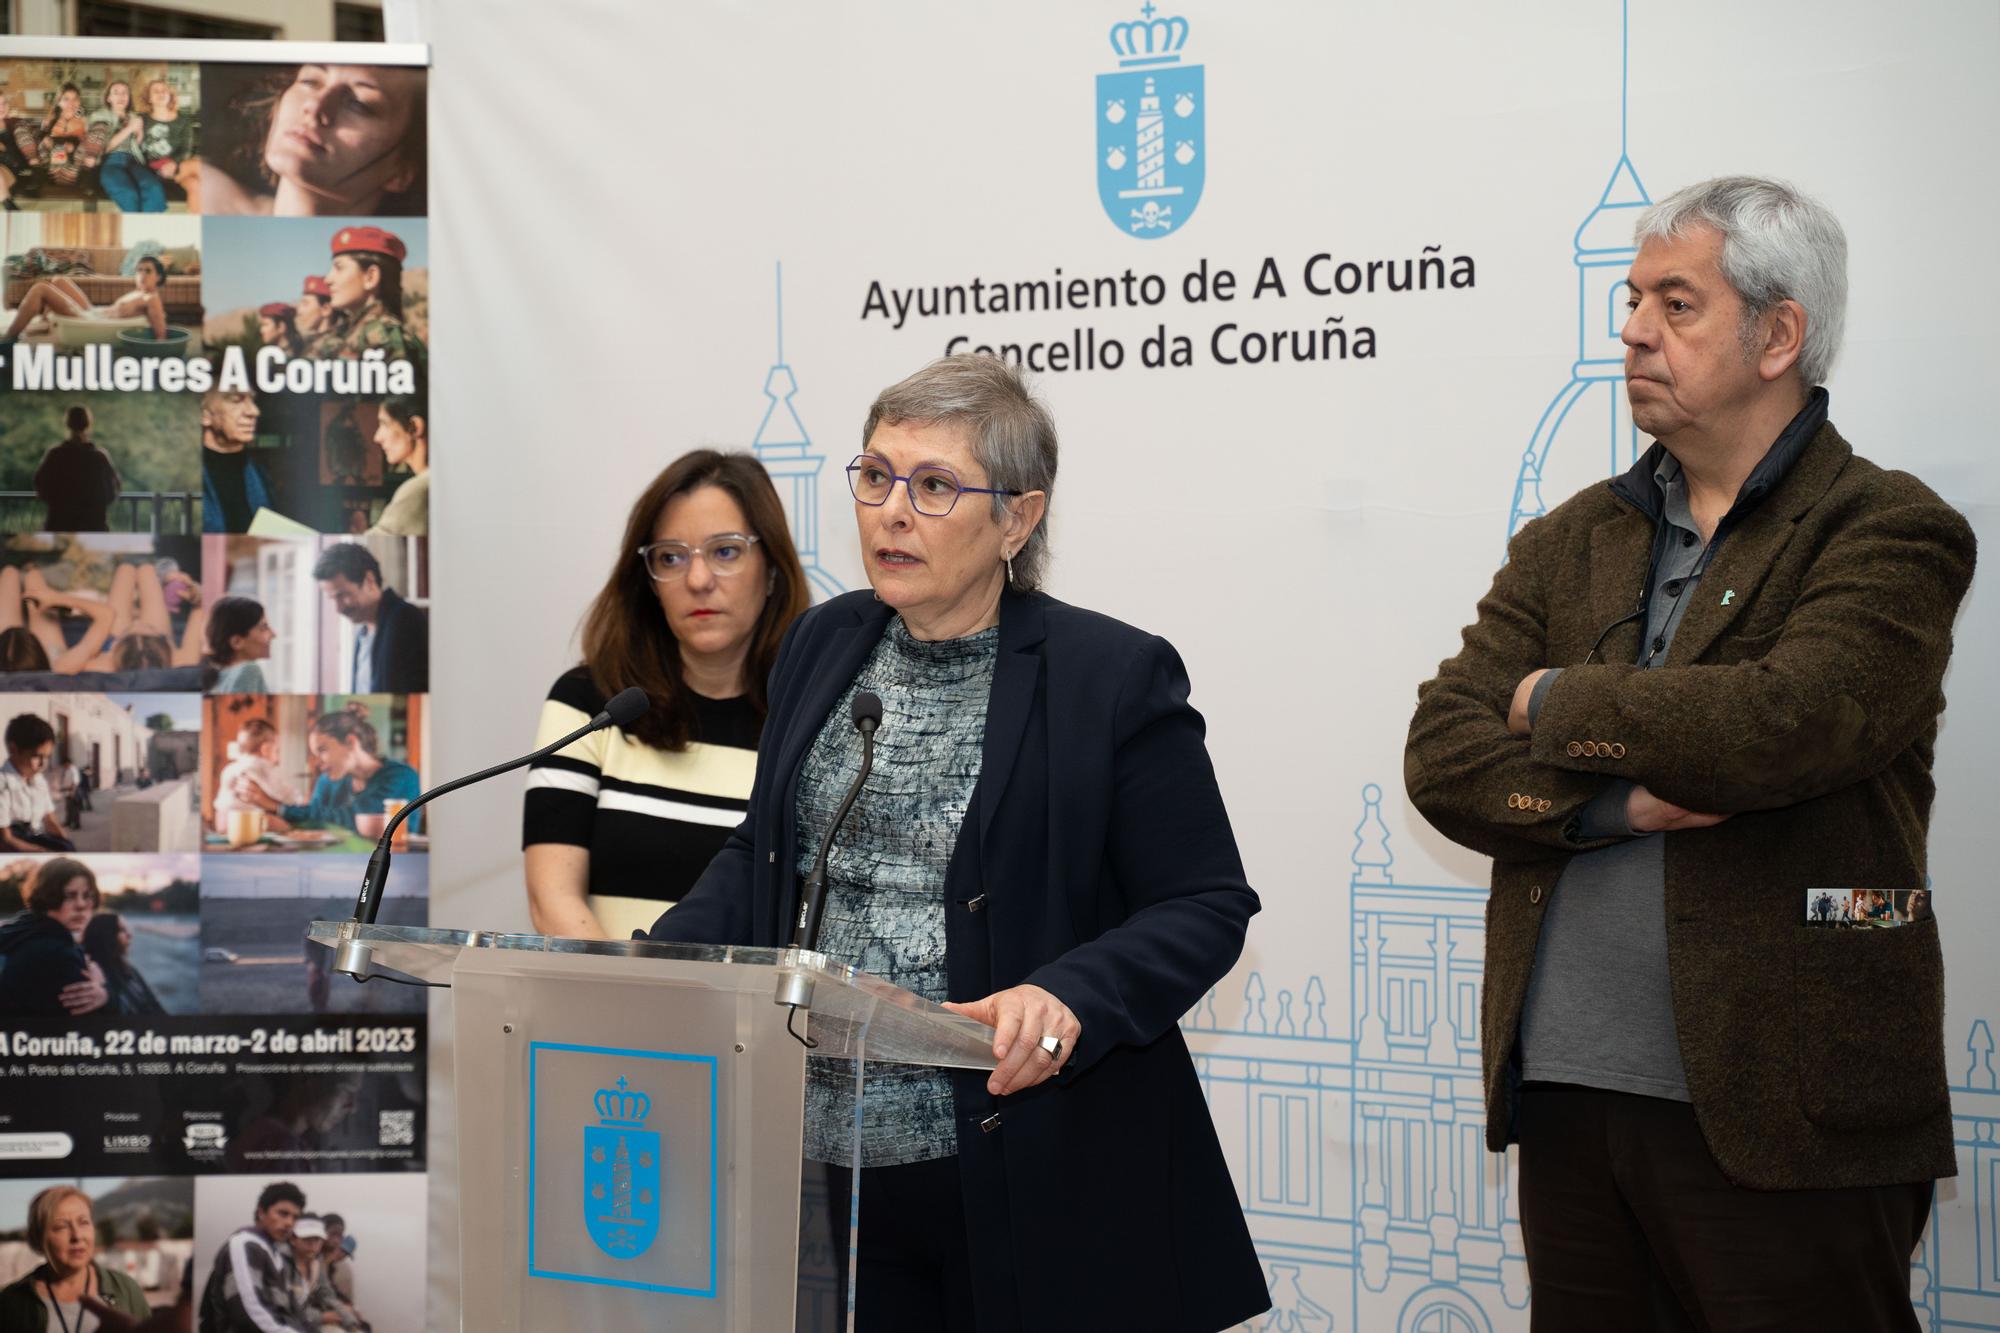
[
  {"x": 1096, "y": 861},
  {"x": 401, "y": 653}
]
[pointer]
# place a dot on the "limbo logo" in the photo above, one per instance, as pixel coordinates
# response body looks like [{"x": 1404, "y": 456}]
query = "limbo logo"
[{"x": 1150, "y": 149}]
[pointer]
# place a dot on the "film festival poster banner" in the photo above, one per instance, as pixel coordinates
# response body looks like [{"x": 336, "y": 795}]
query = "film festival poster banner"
[{"x": 214, "y": 647}]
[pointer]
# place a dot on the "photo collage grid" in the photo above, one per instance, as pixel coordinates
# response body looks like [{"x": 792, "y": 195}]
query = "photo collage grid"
[{"x": 214, "y": 663}]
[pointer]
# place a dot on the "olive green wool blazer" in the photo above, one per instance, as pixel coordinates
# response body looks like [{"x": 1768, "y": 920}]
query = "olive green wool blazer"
[{"x": 1802, "y": 697}]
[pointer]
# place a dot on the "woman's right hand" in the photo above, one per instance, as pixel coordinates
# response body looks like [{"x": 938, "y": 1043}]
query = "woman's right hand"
[
  {"x": 248, "y": 790},
  {"x": 88, "y": 995}
]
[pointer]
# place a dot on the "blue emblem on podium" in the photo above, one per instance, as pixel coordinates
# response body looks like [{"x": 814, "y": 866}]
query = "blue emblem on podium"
[
  {"x": 1151, "y": 153},
  {"x": 621, "y": 1174}
]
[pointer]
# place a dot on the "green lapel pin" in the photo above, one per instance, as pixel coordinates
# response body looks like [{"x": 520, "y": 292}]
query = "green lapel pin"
[{"x": 1726, "y": 596}]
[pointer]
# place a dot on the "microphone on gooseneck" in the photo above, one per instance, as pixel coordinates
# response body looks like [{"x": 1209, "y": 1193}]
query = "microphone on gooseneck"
[
  {"x": 625, "y": 708},
  {"x": 867, "y": 716},
  {"x": 867, "y": 712}
]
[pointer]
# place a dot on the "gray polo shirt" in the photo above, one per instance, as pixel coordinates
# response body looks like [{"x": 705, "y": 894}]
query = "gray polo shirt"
[{"x": 1599, "y": 1009}]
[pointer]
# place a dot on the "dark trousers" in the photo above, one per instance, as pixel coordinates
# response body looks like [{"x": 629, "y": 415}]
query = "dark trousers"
[
  {"x": 1629, "y": 1224},
  {"x": 42, "y": 838},
  {"x": 914, "y": 1268}
]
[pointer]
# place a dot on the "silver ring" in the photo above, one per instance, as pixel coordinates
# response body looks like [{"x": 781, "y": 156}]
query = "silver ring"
[{"x": 1053, "y": 1045}]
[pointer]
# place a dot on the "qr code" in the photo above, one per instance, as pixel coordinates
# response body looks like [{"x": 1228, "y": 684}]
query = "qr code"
[{"x": 399, "y": 1129}]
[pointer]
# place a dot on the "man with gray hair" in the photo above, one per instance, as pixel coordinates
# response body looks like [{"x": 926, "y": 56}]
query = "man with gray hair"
[{"x": 1691, "y": 693}]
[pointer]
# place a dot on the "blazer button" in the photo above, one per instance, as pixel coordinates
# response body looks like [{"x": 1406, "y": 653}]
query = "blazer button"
[
  {"x": 1575, "y": 749},
  {"x": 974, "y": 904},
  {"x": 1535, "y": 894},
  {"x": 1542, "y": 805},
  {"x": 1617, "y": 750},
  {"x": 1590, "y": 749},
  {"x": 990, "y": 1123}
]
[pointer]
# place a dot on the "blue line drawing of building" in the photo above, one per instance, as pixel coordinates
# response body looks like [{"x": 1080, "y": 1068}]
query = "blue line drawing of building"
[
  {"x": 1415, "y": 1229},
  {"x": 784, "y": 447},
  {"x": 1361, "y": 1155},
  {"x": 1603, "y": 255},
  {"x": 1955, "y": 1275}
]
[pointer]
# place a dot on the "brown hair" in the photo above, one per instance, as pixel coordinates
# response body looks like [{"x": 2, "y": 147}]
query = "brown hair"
[
  {"x": 20, "y": 650},
  {"x": 627, "y": 642},
  {"x": 46, "y": 893},
  {"x": 349, "y": 724},
  {"x": 239, "y": 149},
  {"x": 254, "y": 732},
  {"x": 100, "y": 942},
  {"x": 227, "y": 619},
  {"x": 42, "y": 1213},
  {"x": 138, "y": 652}
]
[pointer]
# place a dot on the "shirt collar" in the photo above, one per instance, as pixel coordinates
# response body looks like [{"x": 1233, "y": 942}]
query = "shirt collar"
[
  {"x": 1673, "y": 493},
  {"x": 1644, "y": 485}
]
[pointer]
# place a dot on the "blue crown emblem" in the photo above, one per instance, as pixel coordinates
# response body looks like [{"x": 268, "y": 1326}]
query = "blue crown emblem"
[
  {"x": 623, "y": 1105},
  {"x": 622, "y": 1173},
  {"x": 1149, "y": 40},
  {"x": 1151, "y": 128}
]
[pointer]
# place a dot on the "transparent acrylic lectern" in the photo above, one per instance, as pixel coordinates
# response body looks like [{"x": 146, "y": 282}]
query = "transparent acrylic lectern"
[{"x": 630, "y": 1122}]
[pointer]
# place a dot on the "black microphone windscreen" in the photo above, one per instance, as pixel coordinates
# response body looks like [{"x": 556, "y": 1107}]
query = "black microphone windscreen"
[
  {"x": 627, "y": 706},
  {"x": 868, "y": 710}
]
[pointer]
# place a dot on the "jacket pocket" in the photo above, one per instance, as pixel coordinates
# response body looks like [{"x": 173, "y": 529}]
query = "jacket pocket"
[{"x": 1870, "y": 1011}]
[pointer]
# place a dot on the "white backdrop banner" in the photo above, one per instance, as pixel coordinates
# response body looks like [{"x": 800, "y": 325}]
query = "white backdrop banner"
[{"x": 1324, "y": 299}]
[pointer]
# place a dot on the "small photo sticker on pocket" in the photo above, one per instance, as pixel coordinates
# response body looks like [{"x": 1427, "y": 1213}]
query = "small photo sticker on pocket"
[{"x": 1851, "y": 909}]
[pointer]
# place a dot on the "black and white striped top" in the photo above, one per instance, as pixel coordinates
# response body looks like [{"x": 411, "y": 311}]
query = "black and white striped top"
[{"x": 651, "y": 819}]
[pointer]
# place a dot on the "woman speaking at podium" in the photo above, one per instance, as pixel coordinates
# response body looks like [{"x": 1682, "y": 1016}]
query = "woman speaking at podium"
[{"x": 1041, "y": 839}]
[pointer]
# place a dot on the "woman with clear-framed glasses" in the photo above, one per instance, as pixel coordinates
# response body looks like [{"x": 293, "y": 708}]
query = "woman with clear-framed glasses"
[
  {"x": 1040, "y": 844},
  {"x": 704, "y": 585}
]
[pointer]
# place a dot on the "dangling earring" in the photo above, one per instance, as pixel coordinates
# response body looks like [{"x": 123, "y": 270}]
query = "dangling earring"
[
  {"x": 770, "y": 583},
  {"x": 1009, "y": 561}
]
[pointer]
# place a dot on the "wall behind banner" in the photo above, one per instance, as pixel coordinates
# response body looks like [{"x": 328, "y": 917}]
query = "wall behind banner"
[{"x": 1309, "y": 533}]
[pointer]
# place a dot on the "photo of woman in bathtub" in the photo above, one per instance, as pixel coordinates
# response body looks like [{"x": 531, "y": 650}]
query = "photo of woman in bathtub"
[{"x": 61, "y": 296}]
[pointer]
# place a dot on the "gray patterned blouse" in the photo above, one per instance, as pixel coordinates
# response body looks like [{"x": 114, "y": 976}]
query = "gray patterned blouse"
[{"x": 885, "y": 907}]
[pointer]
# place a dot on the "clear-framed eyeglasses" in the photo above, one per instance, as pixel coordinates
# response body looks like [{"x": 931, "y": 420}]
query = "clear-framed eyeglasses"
[
  {"x": 725, "y": 553},
  {"x": 933, "y": 490}
]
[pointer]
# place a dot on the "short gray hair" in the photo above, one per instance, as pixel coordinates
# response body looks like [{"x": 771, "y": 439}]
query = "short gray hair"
[
  {"x": 1013, "y": 435},
  {"x": 1777, "y": 244}
]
